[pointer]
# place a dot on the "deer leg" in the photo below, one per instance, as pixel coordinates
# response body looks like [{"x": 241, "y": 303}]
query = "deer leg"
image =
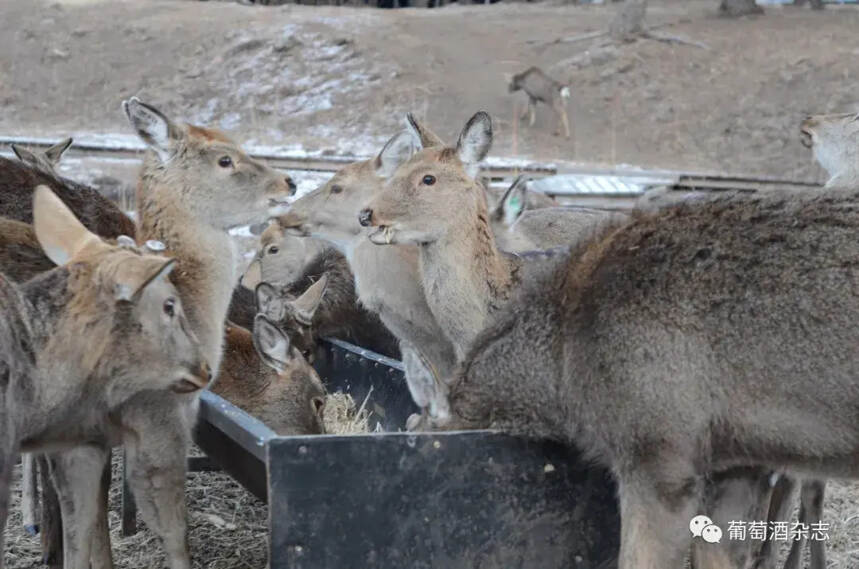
[
  {"x": 566, "y": 122},
  {"x": 29, "y": 493},
  {"x": 156, "y": 449},
  {"x": 77, "y": 476},
  {"x": 7, "y": 460},
  {"x": 526, "y": 110},
  {"x": 101, "y": 556},
  {"x": 811, "y": 498},
  {"x": 656, "y": 506},
  {"x": 781, "y": 502},
  {"x": 532, "y": 109},
  {"x": 51, "y": 520},
  {"x": 736, "y": 494}
]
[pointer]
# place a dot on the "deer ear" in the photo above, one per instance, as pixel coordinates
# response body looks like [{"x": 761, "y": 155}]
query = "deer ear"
[
  {"x": 269, "y": 301},
  {"x": 155, "y": 129},
  {"x": 512, "y": 204},
  {"x": 425, "y": 137},
  {"x": 55, "y": 152},
  {"x": 24, "y": 155},
  {"x": 395, "y": 153},
  {"x": 60, "y": 233},
  {"x": 271, "y": 343},
  {"x": 304, "y": 307},
  {"x": 474, "y": 142},
  {"x": 134, "y": 276}
]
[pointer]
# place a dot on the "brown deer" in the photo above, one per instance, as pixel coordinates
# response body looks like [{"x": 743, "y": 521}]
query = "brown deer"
[
  {"x": 96, "y": 212},
  {"x": 387, "y": 280},
  {"x": 45, "y": 161},
  {"x": 282, "y": 258},
  {"x": 435, "y": 202},
  {"x": 195, "y": 184},
  {"x": 79, "y": 341},
  {"x": 283, "y": 390},
  {"x": 708, "y": 335},
  {"x": 541, "y": 88}
]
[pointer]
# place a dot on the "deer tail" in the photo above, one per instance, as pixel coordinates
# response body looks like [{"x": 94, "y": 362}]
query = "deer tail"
[{"x": 565, "y": 93}]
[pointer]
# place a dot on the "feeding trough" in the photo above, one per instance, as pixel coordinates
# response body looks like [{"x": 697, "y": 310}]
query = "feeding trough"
[{"x": 466, "y": 499}]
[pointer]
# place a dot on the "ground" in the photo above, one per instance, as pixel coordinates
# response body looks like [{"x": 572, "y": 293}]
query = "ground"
[{"x": 339, "y": 80}]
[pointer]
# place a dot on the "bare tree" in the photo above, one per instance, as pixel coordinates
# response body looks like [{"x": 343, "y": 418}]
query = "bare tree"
[{"x": 736, "y": 8}]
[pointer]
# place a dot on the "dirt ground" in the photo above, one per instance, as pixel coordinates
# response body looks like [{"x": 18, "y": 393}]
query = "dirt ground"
[{"x": 339, "y": 80}]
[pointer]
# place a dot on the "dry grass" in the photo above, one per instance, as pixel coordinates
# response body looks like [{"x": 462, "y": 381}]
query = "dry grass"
[{"x": 344, "y": 417}]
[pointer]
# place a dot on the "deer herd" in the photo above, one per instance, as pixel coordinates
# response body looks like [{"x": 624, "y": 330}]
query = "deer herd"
[{"x": 703, "y": 349}]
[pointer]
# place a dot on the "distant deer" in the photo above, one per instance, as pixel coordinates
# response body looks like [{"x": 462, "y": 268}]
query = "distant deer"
[
  {"x": 282, "y": 258},
  {"x": 194, "y": 185},
  {"x": 656, "y": 346},
  {"x": 541, "y": 88},
  {"x": 79, "y": 341},
  {"x": 45, "y": 161},
  {"x": 835, "y": 141}
]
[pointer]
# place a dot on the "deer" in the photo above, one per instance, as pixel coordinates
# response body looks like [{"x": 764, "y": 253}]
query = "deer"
[
  {"x": 655, "y": 348},
  {"x": 518, "y": 229},
  {"x": 435, "y": 202},
  {"x": 267, "y": 376},
  {"x": 46, "y": 160},
  {"x": 282, "y": 258},
  {"x": 329, "y": 213},
  {"x": 195, "y": 183},
  {"x": 833, "y": 138},
  {"x": 541, "y": 88},
  {"x": 79, "y": 341},
  {"x": 96, "y": 212}
]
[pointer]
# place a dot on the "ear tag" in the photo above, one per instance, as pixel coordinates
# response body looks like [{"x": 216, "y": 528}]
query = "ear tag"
[{"x": 155, "y": 246}]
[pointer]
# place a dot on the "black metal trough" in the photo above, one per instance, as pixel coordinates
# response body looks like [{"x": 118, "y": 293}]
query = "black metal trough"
[{"x": 468, "y": 499}]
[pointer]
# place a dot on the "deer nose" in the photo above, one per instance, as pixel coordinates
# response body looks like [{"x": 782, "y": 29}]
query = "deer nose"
[
  {"x": 291, "y": 185},
  {"x": 365, "y": 217}
]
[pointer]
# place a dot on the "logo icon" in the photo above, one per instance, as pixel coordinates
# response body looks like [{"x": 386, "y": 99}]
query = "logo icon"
[
  {"x": 698, "y": 523},
  {"x": 703, "y": 527}
]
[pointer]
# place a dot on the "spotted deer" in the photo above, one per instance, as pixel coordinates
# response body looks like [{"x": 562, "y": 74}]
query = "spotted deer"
[
  {"x": 656, "y": 348},
  {"x": 541, "y": 88},
  {"x": 195, "y": 183},
  {"x": 46, "y": 160},
  {"x": 834, "y": 139},
  {"x": 79, "y": 341}
]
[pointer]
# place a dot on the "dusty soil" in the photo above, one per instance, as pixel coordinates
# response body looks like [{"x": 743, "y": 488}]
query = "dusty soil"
[{"x": 340, "y": 79}]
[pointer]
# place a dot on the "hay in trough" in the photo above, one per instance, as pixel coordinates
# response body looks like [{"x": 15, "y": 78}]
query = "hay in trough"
[{"x": 344, "y": 417}]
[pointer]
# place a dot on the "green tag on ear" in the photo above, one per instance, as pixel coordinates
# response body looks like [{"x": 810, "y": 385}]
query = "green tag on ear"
[{"x": 514, "y": 203}]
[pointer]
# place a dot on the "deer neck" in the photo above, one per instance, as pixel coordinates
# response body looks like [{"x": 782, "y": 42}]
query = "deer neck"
[
  {"x": 466, "y": 278},
  {"x": 205, "y": 263}
]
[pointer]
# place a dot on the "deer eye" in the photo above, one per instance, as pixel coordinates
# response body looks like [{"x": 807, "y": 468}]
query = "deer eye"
[
  {"x": 170, "y": 307},
  {"x": 225, "y": 162},
  {"x": 273, "y": 250},
  {"x": 428, "y": 180},
  {"x": 336, "y": 189}
]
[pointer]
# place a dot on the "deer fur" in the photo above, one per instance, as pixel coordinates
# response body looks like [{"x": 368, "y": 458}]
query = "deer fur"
[
  {"x": 46, "y": 160},
  {"x": 194, "y": 185},
  {"x": 657, "y": 346},
  {"x": 96, "y": 212},
  {"x": 835, "y": 141},
  {"x": 541, "y": 88},
  {"x": 286, "y": 394},
  {"x": 330, "y": 213},
  {"x": 80, "y": 340},
  {"x": 322, "y": 302}
]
